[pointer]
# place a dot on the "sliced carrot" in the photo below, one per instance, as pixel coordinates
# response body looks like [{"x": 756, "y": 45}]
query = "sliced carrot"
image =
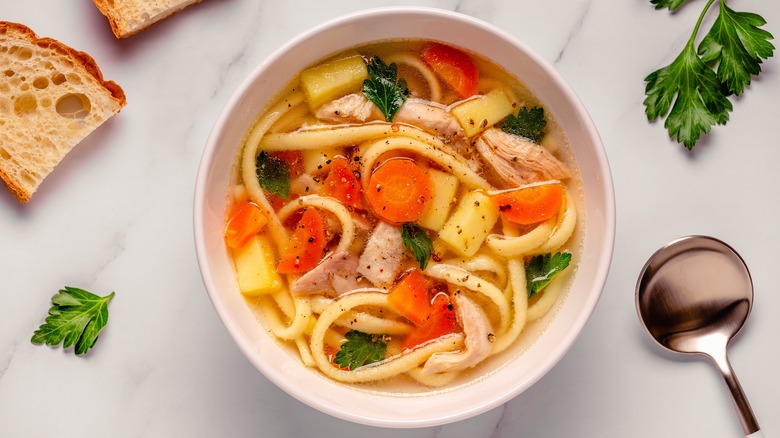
[
  {"x": 343, "y": 185},
  {"x": 531, "y": 204},
  {"x": 441, "y": 321},
  {"x": 307, "y": 245},
  {"x": 409, "y": 297},
  {"x": 245, "y": 220},
  {"x": 456, "y": 68},
  {"x": 399, "y": 190}
]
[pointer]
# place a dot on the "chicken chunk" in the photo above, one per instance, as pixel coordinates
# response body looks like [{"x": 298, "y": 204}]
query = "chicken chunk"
[
  {"x": 476, "y": 327},
  {"x": 380, "y": 262},
  {"x": 336, "y": 274},
  {"x": 356, "y": 108},
  {"x": 518, "y": 161}
]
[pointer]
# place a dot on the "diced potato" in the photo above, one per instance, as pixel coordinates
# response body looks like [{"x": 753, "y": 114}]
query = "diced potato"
[
  {"x": 478, "y": 114},
  {"x": 334, "y": 79},
  {"x": 470, "y": 224},
  {"x": 255, "y": 267},
  {"x": 318, "y": 161},
  {"x": 445, "y": 191}
]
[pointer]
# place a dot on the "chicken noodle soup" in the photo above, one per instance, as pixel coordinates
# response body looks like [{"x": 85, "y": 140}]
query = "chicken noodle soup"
[{"x": 403, "y": 211}]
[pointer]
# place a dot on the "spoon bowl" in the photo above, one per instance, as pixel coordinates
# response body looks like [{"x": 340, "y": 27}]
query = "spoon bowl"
[{"x": 693, "y": 296}]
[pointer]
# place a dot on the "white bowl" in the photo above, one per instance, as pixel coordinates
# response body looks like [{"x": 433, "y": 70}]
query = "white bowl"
[{"x": 527, "y": 362}]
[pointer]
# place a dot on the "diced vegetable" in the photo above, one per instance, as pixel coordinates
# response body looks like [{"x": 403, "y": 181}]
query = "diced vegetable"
[
  {"x": 454, "y": 67},
  {"x": 343, "y": 184},
  {"x": 470, "y": 223},
  {"x": 444, "y": 196},
  {"x": 530, "y": 205},
  {"x": 441, "y": 321},
  {"x": 318, "y": 161},
  {"x": 334, "y": 79},
  {"x": 246, "y": 219},
  {"x": 409, "y": 297},
  {"x": 480, "y": 113},
  {"x": 307, "y": 245},
  {"x": 255, "y": 267},
  {"x": 399, "y": 191}
]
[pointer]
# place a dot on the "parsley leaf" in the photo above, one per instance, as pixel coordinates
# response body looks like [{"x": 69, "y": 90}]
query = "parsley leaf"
[
  {"x": 541, "y": 270},
  {"x": 737, "y": 44},
  {"x": 688, "y": 92},
  {"x": 384, "y": 89},
  {"x": 528, "y": 123},
  {"x": 76, "y": 318},
  {"x": 360, "y": 349},
  {"x": 671, "y": 4},
  {"x": 418, "y": 242},
  {"x": 273, "y": 174}
]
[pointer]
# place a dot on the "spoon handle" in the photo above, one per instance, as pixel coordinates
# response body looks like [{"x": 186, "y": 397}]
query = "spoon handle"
[{"x": 745, "y": 413}]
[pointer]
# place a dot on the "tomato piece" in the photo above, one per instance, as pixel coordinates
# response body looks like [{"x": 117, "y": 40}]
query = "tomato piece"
[
  {"x": 245, "y": 220},
  {"x": 409, "y": 297},
  {"x": 399, "y": 191},
  {"x": 530, "y": 205},
  {"x": 441, "y": 321},
  {"x": 456, "y": 68},
  {"x": 307, "y": 245},
  {"x": 343, "y": 184}
]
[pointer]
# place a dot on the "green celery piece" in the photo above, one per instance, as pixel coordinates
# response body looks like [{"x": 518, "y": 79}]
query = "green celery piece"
[
  {"x": 736, "y": 43},
  {"x": 76, "y": 318}
]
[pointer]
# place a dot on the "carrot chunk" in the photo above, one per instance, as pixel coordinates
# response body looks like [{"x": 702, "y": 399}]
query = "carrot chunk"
[
  {"x": 409, "y": 297},
  {"x": 307, "y": 245},
  {"x": 399, "y": 191},
  {"x": 441, "y": 321},
  {"x": 245, "y": 220},
  {"x": 531, "y": 204},
  {"x": 454, "y": 67},
  {"x": 343, "y": 185}
]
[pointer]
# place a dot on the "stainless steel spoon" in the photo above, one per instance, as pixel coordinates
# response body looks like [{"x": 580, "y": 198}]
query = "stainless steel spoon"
[{"x": 693, "y": 296}]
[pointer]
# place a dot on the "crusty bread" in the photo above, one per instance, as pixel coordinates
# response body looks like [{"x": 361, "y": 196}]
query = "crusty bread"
[
  {"x": 51, "y": 97},
  {"x": 128, "y": 17}
]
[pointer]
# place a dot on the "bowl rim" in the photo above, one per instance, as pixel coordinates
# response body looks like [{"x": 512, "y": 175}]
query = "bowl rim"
[{"x": 604, "y": 254}]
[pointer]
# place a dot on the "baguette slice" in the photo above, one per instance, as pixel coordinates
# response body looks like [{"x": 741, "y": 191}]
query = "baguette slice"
[
  {"x": 128, "y": 17},
  {"x": 51, "y": 97}
]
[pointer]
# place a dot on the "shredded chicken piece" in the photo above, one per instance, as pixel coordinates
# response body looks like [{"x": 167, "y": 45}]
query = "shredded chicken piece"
[
  {"x": 356, "y": 108},
  {"x": 518, "y": 161},
  {"x": 477, "y": 329},
  {"x": 380, "y": 262},
  {"x": 335, "y": 275}
]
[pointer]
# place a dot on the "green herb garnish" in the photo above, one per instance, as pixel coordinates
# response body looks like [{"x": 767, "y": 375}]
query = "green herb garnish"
[
  {"x": 418, "y": 242},
  {"x": 693, "y": 90},
  {"x": 528, "y": 123},
  {"x": 541, "y": 270},
  {"x": 384, "y": 89},
  {"x": 361, "y": 349},
  {"x": 76, "y": 318},
  {"x": 273, "y": 174}
]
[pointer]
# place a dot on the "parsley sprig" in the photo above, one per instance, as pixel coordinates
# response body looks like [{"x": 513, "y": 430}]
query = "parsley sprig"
[
  {"x": 273, "y": 174},
  {"x": 383, "y": 87},
  {"x": 528, "y": 123},
  {"x": 692, "y": 92},
  {"x": 543, "y": 268},
  {"x": 360, "y": 349},
  {"x": 76, "y": 318},
  {"x": 416, "y": 240}
]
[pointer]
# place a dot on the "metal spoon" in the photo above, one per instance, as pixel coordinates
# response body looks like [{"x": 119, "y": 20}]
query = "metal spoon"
[{"x": 693, "y": 296}]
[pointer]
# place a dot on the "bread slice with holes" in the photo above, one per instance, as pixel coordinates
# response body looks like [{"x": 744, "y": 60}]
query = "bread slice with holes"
[
  {"x": 128, "y": 17},
  {"x": 51, "y": 97}
]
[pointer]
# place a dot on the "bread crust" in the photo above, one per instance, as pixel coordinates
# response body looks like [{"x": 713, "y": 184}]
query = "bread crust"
[
  {"x": 118, "y": 23},
  {"x": 82, "y": 59}
]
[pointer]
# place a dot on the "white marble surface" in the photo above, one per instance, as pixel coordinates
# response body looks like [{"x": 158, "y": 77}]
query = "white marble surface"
[{"x": 116, "y": 215}]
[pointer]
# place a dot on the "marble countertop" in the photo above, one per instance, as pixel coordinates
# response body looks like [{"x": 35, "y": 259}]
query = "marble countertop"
[{"x": 116, "y": 215}]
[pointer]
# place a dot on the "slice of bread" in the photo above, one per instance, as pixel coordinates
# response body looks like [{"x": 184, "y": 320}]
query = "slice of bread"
[
  {"x": 128, "y": 17},
  {"x": 51, "y": 97}
]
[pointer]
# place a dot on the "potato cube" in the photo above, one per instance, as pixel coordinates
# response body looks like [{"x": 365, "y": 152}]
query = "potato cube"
[
  {"x": 469, "y": 225},
  {"x": 445, "y": 192},
  {"x": 478, "y": 114},
  {"x": 333, "y": 79},
  {"x": 256, "y": 267}
]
